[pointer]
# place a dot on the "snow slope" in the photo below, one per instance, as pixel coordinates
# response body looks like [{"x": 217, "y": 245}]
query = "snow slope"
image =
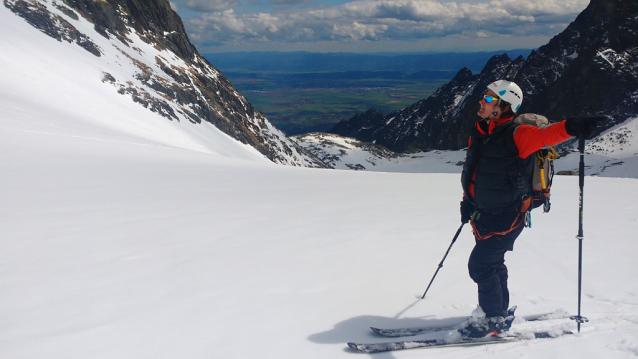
[
  {"x": 99, "y": 92},
  {"x": 349, "y": 153},
  {"x": 124, "y": 236},
  {"x": 126, "y": 249},
  {"x": 616, "y": 151},
  {"x": 62, "y": 80}
]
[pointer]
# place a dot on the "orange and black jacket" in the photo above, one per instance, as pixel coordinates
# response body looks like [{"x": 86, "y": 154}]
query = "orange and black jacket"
[{"x": 498, "y": 163}]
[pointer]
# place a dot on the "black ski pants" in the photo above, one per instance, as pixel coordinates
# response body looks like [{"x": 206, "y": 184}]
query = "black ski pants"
[{"x": 487, "y": 269}]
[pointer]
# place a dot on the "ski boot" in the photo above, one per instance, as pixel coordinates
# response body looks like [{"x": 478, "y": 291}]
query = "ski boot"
[
  {"x": 486, "y": 327},
  {"x": 509, "y": 319}
]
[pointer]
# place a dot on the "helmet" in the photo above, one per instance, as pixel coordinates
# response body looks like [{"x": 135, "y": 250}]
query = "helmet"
[{"x": 508, "y": 91}]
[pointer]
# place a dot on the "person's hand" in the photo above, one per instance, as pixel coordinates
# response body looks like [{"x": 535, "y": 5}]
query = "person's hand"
[
  {"x": 583, "y": 126},
  {"x": 467, "y": 209}
]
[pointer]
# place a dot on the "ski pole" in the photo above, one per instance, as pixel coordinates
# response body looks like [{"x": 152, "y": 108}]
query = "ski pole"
[
  {"x": 581, "y": 183},
  {"x": 446, "y": 253}
]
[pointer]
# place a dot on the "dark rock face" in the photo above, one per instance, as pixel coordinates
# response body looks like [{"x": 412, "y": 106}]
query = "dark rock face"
[
  {"x": 189, "y": 88},
  {"x": 362, "y": 126},
  {"x": 53, "y": 25},
  {"x": 595, "y": 65},
  {"x": 151, "y": 19},
  {"x": 591, "y": 68}
]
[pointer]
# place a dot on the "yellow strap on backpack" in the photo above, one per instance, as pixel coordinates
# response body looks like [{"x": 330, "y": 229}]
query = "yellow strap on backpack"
[
  {"x": 542, "y": 173},
  {"x": 551, "y": 155}
]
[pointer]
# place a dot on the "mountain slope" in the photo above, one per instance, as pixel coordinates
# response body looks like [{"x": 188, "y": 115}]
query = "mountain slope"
[
  {"x": 140, "y": 51},
  {"x": 589, "y": 68},
  {"x": 348, "y": 153}
]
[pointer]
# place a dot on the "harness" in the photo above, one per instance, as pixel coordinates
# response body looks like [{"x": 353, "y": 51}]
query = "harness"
[{"x": 502, "y": 178}]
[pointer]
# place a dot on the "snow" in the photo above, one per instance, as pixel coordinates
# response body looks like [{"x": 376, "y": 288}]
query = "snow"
[
  {"x": 602, "y": 54},
  {"x": 348, "y": 153},
  {"x": 70, "y": 90},
  {"x": 612, "y": 154},
  {"x": 129, "y": 250},
  {"x": 122, "y": 68},
  {"x": 126, "y": 235}
]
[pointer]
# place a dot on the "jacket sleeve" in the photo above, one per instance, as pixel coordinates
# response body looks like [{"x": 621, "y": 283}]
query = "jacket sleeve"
[{"x": 529, "y": 139}]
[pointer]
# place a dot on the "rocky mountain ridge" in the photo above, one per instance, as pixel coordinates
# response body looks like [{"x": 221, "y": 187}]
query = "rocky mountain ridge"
[
  {"x": 169, "y": 76},
  {"x": 591, "y": 68}
]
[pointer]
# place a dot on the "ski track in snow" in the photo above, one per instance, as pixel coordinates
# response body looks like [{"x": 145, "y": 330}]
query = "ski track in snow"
[{"x": 125, "y": 235}]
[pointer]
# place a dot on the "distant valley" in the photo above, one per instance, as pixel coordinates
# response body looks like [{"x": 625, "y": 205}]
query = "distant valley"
[{"x": 303, "y": 92}]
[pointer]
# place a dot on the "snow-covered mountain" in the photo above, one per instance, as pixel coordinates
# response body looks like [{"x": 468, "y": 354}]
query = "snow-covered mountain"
[
  {"x": 612, "y": 154},
  {"x": 349, "y": 153},
  {"x": 615, "y": 152},
  {"x": 591, "y": 68},
  {"x": 138, "y": 51}
]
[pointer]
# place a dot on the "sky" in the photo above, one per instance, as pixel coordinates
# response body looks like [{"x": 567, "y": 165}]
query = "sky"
[{"x": 374, "y": 25}]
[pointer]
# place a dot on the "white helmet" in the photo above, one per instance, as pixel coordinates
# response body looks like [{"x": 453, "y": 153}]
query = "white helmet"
[{"x": 508, "y": 91}]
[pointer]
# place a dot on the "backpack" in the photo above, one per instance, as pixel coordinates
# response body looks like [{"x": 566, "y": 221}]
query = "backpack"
[{"x": 542, "y": 174}]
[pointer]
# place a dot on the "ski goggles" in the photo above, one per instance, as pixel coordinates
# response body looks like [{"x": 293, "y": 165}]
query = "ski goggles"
[{"x": 489, "y": 98}]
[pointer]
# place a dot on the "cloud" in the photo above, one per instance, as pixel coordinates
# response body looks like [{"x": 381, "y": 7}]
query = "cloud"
[
  {"x": 209, "y": 5},
  {"x": 357, "y": 31},
  {"x": 289, "y": 2},
  {"x": 383, "y": 20}
]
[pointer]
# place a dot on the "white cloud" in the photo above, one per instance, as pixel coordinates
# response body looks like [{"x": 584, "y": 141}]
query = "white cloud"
[
  {"x": 382, "y": 20},
  {"x": 357, "y": 31}
]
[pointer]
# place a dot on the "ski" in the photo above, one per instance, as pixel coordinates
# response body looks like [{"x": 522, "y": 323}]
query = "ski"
[
  {"x": 409, "y": 332},
  {"x": 439, "y": 343}
]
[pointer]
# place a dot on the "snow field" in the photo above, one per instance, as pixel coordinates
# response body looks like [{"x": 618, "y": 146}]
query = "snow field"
[{"x": 129, "y": 250}]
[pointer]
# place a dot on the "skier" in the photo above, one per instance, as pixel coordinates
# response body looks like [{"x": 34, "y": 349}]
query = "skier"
[{"x": 496, "y": 194}]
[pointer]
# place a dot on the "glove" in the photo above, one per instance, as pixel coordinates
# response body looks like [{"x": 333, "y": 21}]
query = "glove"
[
  {"x": 467, "y": 209},
  {"x": 583, "y": 126}
]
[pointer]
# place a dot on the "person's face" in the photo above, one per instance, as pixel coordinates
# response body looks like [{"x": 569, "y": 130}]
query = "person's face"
[{"x": 487, "y": 108}]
